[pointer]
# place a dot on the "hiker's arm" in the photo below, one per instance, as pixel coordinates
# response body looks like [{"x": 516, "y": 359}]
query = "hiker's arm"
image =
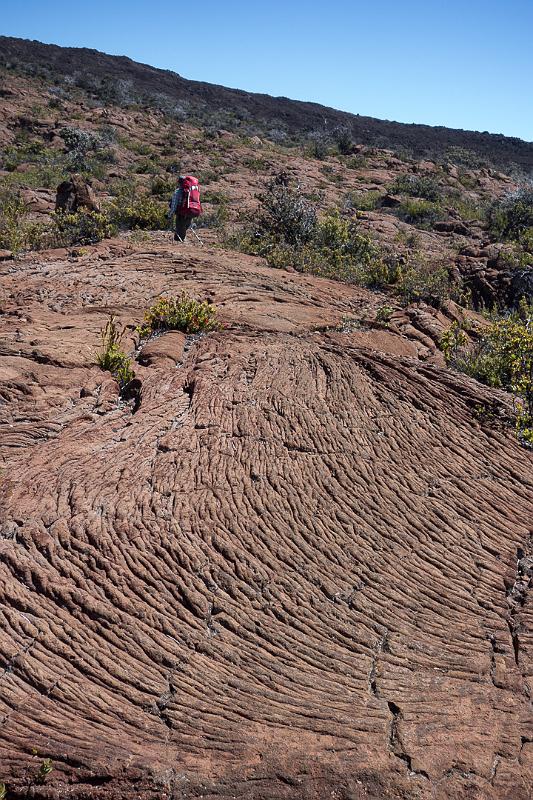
[{"x": 174, "y": 203}]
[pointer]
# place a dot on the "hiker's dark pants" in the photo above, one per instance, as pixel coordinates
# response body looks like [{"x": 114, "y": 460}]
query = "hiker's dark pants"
[{"x": 182, "y": 226}]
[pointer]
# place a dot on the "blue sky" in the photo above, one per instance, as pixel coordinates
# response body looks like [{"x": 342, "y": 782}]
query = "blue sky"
[{"x": 461, "y": 64}]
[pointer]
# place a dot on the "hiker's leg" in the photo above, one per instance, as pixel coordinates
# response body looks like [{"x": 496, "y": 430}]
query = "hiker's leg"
[{"x": 181, "y": 228}]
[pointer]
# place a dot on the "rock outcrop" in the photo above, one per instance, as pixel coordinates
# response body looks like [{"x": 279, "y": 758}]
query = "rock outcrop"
[
  {"x": 75, "y": 194},
  {"x": 299, "y": 570}
]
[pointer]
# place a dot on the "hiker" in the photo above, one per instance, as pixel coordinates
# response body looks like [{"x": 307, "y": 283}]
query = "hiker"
[{"x": 185, "y": 204}]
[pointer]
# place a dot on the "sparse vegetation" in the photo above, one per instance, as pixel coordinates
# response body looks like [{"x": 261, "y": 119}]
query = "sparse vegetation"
[
  {"x": 452, "y": 341},
  {"x": 182, "y": 313},
  {"x": 511, "y": 217},
  {"x": 46, "y": 767},
  {"x": 418, "y": 212},
  {"x": 80, "y": 227},
  {"x": 363, "y": 201},
  {"x": 384, "y": 314},
  {"x": 132, "y": 210},
  {"x": 502, "y": 358},
  {"x": 422, "y": 281},
  {"x": 112, "y": 357},
  {"x": 16, "y": 233},
  {"x": 288, "y": 232},
  {"x": 214, "y": 218},
  {"x": 422, "y": 186}
]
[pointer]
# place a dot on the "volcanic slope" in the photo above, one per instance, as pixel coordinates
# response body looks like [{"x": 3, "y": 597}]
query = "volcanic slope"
[{"x": 297, "y": 569}]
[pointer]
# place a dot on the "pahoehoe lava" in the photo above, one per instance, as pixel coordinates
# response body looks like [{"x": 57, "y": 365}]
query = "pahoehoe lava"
[{"x": 294, "y": 572}]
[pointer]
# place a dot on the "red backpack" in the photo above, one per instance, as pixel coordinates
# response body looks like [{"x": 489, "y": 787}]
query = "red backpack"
[{"x": 190, "y": 205}]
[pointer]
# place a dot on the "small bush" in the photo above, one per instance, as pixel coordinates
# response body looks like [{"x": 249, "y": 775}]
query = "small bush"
[
  {"x": 82, "y": 227},
  {"x": 511, "y": 216},
  {"x": 421, "y": 281},
  {"x": 146, "y": 167},
  {"x": 342, "y": 137},
  {"x": 78, "y": 139},
  {"x": 465, "y": 158},
  {"x": 162, "y": 187},
  {"x": 111, "y": 357},
  {"x": 182, "y": 313},
  {"x": 424, "y": 186},
  {"x": 24, "y": 152},
  {"x": 256, "y": 164},
  {"x": 503, "y": 358},
  {"x": 285, "y": 213},
  {"x": 215, "y": 197},
  {"x": 384, "y": 314},
  {"x": 452, "y": 341},
  {"x": 319, "y": 145},
  {"x": 332, "y": 248},
  {"x": 357, "y": 161},
  {"x": 132, "y": 210},
  {"x": 44, "y": 771},
  {"x": 419, "y": 212},
  {"x": 17, "y": 233},
  {"x": 363, "y": 201},
  {"x": 79, "y": 143},
  {"x": 214, "y": 219}
]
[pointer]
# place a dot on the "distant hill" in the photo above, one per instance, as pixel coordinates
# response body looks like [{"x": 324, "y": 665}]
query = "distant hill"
[{"x": 117, "y": 79}]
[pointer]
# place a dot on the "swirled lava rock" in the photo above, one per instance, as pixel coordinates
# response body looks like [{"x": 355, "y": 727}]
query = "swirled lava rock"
[{"x": 301, "y": 568}]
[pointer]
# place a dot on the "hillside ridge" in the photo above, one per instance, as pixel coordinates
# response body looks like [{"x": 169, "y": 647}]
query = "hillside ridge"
[{"x": 158, "y": 86}]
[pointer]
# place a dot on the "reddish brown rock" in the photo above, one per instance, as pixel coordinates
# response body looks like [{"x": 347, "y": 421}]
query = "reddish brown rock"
[
  {"x": 166, "y": 347},
  {"x": 75, "y": 194},
  {"x": 298, "y": 570}
]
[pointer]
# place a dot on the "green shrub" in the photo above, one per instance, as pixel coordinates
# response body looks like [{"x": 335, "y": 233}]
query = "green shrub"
[
  {"x": 384, "y": 314},
  {"x": 46, "y": 175},
  {"x": 469, "y": 209},
  {"x": 256, "y": 164},
  {"x": 285, "y": 214},
  {"x": 45, "y": 768},
  {"x": 13, "y": 212},
  {"x": 331, "y": 247},
  {"x": 421, "y": 281},
  {"x": 319, "y": 145},
  {"x": 78, "y": 139},
  {"x": 214, "y": 219},
  {"x": 342, "y": 137},
  {"x": 363, "y": 201},
  {"x": 24, "y": 152},
  {"x": 146, "y": 167},
  {"x": 182, "y": 313},
  {"x": 82, "y": 227},
  {"x": 215, "y": 197},
  {"x": 17, "y": 233},
  {"x": 111, "y": 357},
  {"x": 79, "y": 143},
  {"x": 162, "y": 186},
  {"x": 424, "y": 186},
  {"x": 511, "y": 216},
  {"x": 357, "y": 161},
  {"x": 452, "y": 341},
  {"x": 503, "y": 358},
  {"x": 132, "y": 210},
  {"x": 465, "y": 158},
  {"x": 287, "y": 232},
  {"x": 419, "y": 212}
]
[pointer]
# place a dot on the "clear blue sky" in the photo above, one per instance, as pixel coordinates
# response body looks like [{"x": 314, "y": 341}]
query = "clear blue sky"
[{"x": 462, "y": 64}]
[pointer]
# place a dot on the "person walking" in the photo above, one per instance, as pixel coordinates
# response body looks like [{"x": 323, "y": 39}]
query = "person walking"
[{"x": 185, "y": 204}]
